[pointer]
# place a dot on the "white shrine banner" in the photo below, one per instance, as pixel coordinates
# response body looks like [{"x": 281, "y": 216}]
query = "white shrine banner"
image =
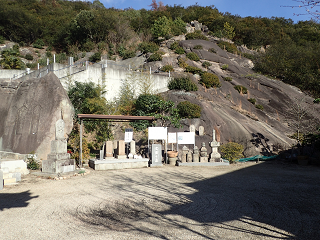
[
  {"x": 172, "y": 137},
  {"x": 186, "y": 137},
  {"x": 157, "y": 133}
]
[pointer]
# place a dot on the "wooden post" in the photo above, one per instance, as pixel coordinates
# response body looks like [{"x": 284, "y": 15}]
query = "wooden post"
[{"x": 80, "y": 155}]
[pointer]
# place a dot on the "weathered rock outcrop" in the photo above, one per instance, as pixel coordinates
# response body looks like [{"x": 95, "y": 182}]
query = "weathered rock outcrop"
[{"x": 28, "y": 113}]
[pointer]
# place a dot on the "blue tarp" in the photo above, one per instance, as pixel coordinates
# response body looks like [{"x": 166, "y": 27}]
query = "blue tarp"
[{"x": 260, "y": 157}]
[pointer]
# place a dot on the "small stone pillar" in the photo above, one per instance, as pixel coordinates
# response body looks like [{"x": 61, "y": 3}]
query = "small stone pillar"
[
  {"x": 109, "y": 150},
  {"x": 121, "y": 151},
  {"x": 185, "y": 151},
  {"x": 196, "y": 154},
  {"x": 192, "y": 128},
  {"x": 203, "y": 153},
  {"x": 215, "y": 155}
]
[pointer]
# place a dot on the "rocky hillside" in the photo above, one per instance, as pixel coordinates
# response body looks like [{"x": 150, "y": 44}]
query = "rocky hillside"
[{"x": 262, "y": 124}]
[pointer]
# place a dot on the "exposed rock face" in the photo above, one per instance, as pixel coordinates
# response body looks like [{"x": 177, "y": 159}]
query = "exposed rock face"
[
  {"x": 28, "y": 113},
  {"x": 230, "y": 112}
]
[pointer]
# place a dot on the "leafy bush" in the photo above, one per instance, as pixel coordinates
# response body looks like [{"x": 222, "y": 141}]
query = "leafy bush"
[
  {"x": 179, "y": 50},
  {"x": 33, "y": 164},
  {"x": 48, "y": 54},
  {"x": 189, "y": 110},
  {"x": 128, "y": 54},
  {"x": 225, "y": 67},
  {"x": 31, "y": 65},
  {"x": 182, "y": 62},
  {"x": 212, "y": 50},
  {"x": 39, "y": 43},
  {"x": 182, "y": 84},
  {"x": 61, "y": 57},
  {"x": 317, "y": 100},
  {"x": 206, "y": 64},
  {"x": 10, "y": 59},
  {"x": 241, "y": 89},
  {"x": 259, "y": 106},
  {"x": 2, "y": 39},
  {"x": 29, "y": 57},
  {"x": 231, "y": 151},
  {"x": 196, "y": 35},
  {"x": 228, "y": 79},
  {"x": 167, "y": 68},
  {"x": 230, "y": 47},
  {"x": 198, "y": 47},
  {"x": 174, "y": 45},
  {"x": 210, "y": 80},
  {"x": 194, "y": 70},
  {"x": 95, "y": 57},
  {"x": 193, "y": 56},
  {"x": 155, "y": 57},
  {"x": 146, "y": 47},
  {"x": 252, "y": 100}
]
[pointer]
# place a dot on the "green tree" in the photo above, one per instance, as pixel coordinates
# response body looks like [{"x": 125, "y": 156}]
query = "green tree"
[
  {"x": 231, "y": 151},
  {"x": 161, "y": 27}
]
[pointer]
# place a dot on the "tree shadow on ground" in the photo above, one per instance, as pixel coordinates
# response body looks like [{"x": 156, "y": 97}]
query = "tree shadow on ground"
[
  {"x": 15, "y": 200},
  {"x": 261, "y": 201}
]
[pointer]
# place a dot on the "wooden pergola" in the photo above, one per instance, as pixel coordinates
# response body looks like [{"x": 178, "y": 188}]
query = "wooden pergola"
[{"x": 121, "y": 118}]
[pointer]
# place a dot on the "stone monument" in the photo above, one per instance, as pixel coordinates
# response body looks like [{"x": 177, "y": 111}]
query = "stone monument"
[
  {"x": 109, "y": 150},
  {"x": 215, "y": 155},
  {"x": 203, "y": 153},
  {"x": 156, "y": 156},
  {"x": 196, "y": 154},
  {"x": 185, "y": 151},
  {"x": 121, "y": 153},
  {"x": 192, "y": 128},
  {"x": 201, "y": 130},
  {"x": 58, "y": 161}
]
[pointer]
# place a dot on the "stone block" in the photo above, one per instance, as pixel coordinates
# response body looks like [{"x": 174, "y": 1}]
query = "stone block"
[
  {"x": 58, "y": 166},
  {"x": 9, "y": 181},
  {"x": 156, "y": 154}
]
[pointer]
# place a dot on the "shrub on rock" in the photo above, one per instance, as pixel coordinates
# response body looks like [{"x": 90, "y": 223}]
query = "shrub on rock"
[
  {"x": 189, "y": 110},
  {"x": 210, "y": 80},
  {"x": 182, "y": 84}
]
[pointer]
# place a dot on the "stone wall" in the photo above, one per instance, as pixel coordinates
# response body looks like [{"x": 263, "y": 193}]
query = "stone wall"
[{"x": 29, "y": 110}]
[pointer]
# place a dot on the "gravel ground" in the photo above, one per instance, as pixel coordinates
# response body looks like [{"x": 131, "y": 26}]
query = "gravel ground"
[{"x": 243, "y": 201}]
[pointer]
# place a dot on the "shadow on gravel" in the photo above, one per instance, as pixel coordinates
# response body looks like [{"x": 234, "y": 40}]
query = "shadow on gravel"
[
  {"x": 262, "y": 201},
  {"x": 15, "y": 200}
]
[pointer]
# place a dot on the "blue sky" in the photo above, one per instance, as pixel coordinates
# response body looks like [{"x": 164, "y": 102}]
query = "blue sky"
[{"x": 244, "y": 8}]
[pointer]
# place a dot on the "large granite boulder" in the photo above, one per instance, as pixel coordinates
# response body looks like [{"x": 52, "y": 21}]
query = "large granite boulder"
[{"x": 28, "y": 113}]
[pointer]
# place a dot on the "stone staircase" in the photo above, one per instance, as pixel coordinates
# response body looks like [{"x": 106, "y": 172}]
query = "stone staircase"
[{"x": 11, "y": 168}]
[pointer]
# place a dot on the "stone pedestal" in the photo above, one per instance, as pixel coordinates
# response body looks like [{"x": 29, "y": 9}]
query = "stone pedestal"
[
  {"x": 172, "y": 161},
  {"x": 58, "y": 161}
]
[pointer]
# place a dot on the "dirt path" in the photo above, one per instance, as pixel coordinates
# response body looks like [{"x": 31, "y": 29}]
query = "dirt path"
[{"x": 244, "y": 201}]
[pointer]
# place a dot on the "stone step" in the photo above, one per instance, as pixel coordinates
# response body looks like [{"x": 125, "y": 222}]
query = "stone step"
[{"x": 9, "y": 181}]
